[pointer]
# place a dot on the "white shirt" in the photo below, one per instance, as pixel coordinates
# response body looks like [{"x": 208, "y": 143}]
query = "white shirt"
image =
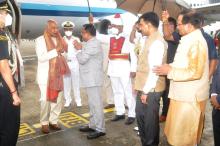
[
  {"x": 155, "y": 58},
  {"x": 104, "y": 39},
  {"x": 71, "y": 53},
  {"x": 43, "y": 59},
  {"x": 118, "y": 68}
]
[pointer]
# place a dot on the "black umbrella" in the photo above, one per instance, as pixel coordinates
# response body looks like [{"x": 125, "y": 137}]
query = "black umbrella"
[{"x": 142, "y": 6}]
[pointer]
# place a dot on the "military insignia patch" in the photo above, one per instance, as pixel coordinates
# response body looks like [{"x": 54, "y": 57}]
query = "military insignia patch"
[{"x": 3, "y": 38}]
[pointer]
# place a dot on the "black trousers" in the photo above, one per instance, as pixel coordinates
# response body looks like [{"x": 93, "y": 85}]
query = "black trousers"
[
  {"x": 216, "y": 126},
  {"x": 9, "y": 117},
  {"x": 166, "y": 100},
  {"x": 148, "y": 118}
]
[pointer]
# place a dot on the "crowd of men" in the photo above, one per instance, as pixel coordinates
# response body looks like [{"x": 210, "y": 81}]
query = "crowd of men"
[
  {"x": 138, "y": 70},
  {"x": 133, "y": 71}
]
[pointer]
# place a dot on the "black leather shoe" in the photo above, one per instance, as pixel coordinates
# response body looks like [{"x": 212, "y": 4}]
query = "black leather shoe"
[
  {"x": 129, "y": 120},
  {"x": 95, "y": 134},
  {"x": 118, "y": 117},
  {"x": 86, "y": 129},
  {"x": 109, "y": 106}
]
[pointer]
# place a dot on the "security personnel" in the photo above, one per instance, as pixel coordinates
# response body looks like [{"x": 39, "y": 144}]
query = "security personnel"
[
  {"x": 9, "y": 99},
  {"x": 121, "y": 67},
  {"x": 71, "y": 80}
]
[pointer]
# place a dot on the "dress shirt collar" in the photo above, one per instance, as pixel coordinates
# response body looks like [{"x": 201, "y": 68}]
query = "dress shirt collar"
[
  {"x": 91, "y": 40},
  {"x": 191, "y": 36},
  {"x": 153, "y": 35}
]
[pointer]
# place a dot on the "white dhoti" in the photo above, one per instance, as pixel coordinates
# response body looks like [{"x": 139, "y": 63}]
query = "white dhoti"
[
  {"x": 184, "y": 123},
  {"x": 50, "y": 111}
]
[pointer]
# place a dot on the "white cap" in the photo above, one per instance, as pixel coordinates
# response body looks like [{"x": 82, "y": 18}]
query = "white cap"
[
  {"x": 117, "y": 20},
  {"x": 68, "y": 24}
]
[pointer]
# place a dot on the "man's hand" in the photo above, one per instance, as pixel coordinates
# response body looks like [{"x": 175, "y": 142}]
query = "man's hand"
[
  {"x": 134, "y": 28},
  {"x": 91, "y": 19},
  {"x": 133, "y": 74},
  {"x": 165, "y": 15},
  {"x": 214, "y": 102},
  {"x": 77, "y": 45},
  {"x": 162, "y": 70},
  {"x": 59, "y": 49},
  {"x": 144, "y": 98},
  {"x": 16, "y": 99}
]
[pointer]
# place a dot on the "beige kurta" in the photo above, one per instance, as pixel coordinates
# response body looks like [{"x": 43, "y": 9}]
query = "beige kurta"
[{"x": 189, "y": 89}]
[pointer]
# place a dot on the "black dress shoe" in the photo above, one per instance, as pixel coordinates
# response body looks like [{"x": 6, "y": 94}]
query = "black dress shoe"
[
  {"x": 118, "y": 117},
  {"x": 109, "y": 106},
  {"x": 95, "y": 134},
  {"x": 86, "y": 129},
  {"x": 129, "y": 120}
]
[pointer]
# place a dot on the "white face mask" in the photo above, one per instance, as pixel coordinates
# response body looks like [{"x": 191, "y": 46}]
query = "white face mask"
[
  {"x": 68, "y": 33},
  {"x": 8, "y": 20},
  {"x": 113, "y": 31}
]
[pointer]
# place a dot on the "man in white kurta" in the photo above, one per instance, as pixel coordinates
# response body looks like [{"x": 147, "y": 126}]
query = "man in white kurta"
[
  {"x": 122, "y": 64},
  {"x": 104, "y": 38},
  {"x": 189, "y": 83},
  {"x": 71, "y": 81},
  {"x": 50, "y": 111}
]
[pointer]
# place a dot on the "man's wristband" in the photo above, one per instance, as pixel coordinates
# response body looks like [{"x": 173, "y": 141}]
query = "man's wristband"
[{"x": 13, "y": 91}]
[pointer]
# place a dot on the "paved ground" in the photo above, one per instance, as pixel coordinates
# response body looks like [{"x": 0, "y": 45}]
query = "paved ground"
[{"x": 118, "y": 134}]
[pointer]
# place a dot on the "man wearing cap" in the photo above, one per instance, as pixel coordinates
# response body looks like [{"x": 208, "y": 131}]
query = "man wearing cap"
[
  {"x": 72, "y": 79},
  {"x": 121, "y": 68},
  {"x": 104, "y": 38},
  {"x": 9, "y": 99}
]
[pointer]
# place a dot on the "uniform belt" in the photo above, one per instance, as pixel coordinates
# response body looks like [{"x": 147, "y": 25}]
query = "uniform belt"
[{"x": 119, "y": 56}]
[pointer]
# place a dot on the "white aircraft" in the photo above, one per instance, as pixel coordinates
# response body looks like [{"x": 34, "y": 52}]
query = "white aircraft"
[
  {"x": 211, "y": 11},
  {"x": 35, "y": 13}
]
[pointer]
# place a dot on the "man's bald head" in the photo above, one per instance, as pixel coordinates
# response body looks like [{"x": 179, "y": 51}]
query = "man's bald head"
[{"x": 52, "y": 28}]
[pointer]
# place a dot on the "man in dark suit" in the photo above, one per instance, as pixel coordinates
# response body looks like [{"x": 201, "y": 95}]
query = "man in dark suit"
[{"x": 215, "y": 100}]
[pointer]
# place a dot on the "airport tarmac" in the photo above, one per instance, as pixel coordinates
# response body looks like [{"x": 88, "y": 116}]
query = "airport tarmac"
[{"x": 117, "y": 133}]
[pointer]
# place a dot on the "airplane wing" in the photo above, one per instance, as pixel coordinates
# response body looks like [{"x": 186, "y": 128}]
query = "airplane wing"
[{"x": 211, "y": 12}]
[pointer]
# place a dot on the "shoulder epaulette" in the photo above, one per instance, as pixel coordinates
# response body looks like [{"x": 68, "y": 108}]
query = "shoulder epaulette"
[{"x": 3, "y": 38}]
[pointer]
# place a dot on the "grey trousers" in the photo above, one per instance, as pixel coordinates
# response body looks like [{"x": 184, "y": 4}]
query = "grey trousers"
[
  {"x": 148, "y": 118},
  {"x": 97, "y": 121}
]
